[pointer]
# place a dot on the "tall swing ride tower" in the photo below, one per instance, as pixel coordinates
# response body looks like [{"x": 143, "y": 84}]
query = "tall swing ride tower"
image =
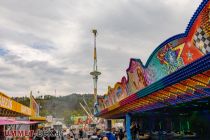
[{"x": 95, "y": 73}]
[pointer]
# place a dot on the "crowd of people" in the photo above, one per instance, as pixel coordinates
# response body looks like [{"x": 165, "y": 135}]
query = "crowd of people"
[
  {"x": 80, "y": 134},
  {"x": 112, "y": 134},
  {"x": 96, "y": 134}
]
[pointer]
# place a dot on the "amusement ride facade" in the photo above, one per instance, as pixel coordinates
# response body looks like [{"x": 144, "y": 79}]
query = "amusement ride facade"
[{"x": 174, "y": 83}]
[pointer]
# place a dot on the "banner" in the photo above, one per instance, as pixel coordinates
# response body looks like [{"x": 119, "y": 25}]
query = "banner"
[{"x": 34, "y": 106}]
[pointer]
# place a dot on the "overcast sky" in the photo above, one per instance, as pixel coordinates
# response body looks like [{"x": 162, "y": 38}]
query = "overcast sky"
[{"x": 47, "y": 45}]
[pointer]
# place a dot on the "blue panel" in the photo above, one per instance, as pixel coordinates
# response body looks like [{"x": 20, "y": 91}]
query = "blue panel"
[{"x": 128, "y": 124}]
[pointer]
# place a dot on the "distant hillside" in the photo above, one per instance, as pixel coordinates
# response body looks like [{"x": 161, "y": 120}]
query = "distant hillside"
[{"x": 63, "y": 106}]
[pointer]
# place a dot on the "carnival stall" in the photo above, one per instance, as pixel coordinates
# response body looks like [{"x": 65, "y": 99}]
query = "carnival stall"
[{"x": 15, "y": 116}]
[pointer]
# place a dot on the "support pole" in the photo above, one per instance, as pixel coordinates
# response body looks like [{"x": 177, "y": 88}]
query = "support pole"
[{"x": 128, "y": 124}]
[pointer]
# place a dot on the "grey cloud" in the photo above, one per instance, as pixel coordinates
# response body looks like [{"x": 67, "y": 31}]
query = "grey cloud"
[
  {"x": 36, "y": 66},
  {"x": 26, "y": 38}
]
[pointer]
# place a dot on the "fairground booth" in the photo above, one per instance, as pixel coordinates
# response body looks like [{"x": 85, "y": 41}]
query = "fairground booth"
[
  {"x": 15, "y": 116},
  {"x": 170, "y": 93}
]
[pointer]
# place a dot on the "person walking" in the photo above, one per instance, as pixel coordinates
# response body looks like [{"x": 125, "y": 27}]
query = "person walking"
[
  {"x": 73, "y": 134},
  {"x": 121, "y": 134},
  {"x": 81, "y": 134}
]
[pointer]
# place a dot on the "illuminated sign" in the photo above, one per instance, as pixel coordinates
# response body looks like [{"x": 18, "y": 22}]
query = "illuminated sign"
[{"x": 5, "y": 102}]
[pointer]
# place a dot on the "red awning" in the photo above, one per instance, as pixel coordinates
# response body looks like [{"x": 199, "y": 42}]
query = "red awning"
[
  {"x": 9, "y": 122},
  {"x": 6, "y": 122}
]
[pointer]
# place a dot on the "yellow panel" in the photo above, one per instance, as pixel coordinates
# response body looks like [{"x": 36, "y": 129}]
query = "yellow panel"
[
  {"x": 5, "y": 102},
  {"x": 193, "y": 84},
  {"x": 184, "y": 88},
  {"x": 37, "y": 118},
  {"x": 116, "y": 105},
  {"x": 202, "y": 78}
]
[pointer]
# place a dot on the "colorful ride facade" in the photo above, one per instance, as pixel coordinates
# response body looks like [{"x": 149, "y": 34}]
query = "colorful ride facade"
[{"x": 178, "y": 71}]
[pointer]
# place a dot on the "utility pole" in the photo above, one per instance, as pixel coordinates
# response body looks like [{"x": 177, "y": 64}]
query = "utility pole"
[{"x": 95, "y": 73}]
